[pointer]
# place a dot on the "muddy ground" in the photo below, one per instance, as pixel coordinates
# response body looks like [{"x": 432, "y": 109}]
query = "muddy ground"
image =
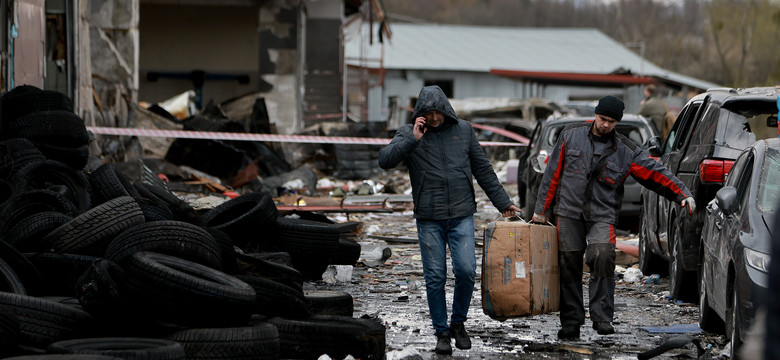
[{"x": 394, "y": 291}]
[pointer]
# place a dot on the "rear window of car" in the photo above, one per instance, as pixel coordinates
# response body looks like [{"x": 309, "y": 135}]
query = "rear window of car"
[
  {"x": 769, "y": 185},
  {"x": 746, "y": 123}
]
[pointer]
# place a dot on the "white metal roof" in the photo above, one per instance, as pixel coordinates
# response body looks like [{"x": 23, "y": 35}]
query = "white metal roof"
[{"x": 482, "y": 48}]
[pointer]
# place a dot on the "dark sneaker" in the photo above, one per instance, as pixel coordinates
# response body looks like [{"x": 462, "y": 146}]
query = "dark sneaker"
[
  {"x": 569, "y": 332},
  {"x": 443, "y": 346},
  {"x": 462, "y": 340},
  {"x": 603, "y": 328}
]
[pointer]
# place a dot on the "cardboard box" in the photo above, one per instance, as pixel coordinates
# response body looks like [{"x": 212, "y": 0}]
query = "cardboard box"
[{"x": 519, "y": 270}]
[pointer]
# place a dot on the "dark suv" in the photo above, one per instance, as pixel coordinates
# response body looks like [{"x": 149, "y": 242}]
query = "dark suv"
[
  {"x": 711, "y": 131},
  {"x": 533, "y": 160}
]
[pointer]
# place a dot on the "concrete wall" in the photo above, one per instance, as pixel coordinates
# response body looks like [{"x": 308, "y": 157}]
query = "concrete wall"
[
  {"x": 176, "y": 40},
  {"x": 259, "y": 41}
]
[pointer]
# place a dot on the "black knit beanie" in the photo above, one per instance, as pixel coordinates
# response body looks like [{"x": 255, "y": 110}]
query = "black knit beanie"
[{"x": 610, "y": 106}]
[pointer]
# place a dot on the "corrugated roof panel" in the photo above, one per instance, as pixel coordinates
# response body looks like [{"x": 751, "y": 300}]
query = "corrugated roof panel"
[{"x": 480, "y": 48}]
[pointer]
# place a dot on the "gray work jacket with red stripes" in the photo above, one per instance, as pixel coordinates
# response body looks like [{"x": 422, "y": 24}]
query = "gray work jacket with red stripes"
[{"x": 573, "y": 187}]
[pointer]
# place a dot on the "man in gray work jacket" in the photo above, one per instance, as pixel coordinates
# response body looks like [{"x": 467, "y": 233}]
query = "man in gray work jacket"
[
  {"x": 583, "y": 187},
  {"x": 442, "y": 154}
]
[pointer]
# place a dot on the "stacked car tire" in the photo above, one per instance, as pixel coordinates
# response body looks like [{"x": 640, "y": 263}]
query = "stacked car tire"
[{"x": 95, "y": 266}]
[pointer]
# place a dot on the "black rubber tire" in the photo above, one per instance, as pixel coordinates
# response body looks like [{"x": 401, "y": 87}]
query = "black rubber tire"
[
  {"x": 22, "y": 205},
  {"x": 56, "y": 127},
  {"x": 311, "y": 244},
  {"x": 254, "y": 264},
  {"x": 63, "y": 357},
  {"x": 49, "y": 174},
  {"x": 10, "y": 333},
  {"x": 27, "y": 99},
  {"x": 276, "y": 299},
  {"x": 649, "y": 262},
  {"x": 7, "y": 191},
  {"x": 9, "y": 280},
  {"x": 276, "y": 257},
  {"x": 239, "y": 343},
  {"x": 27, "y": 235},
  {"x": 106, "y": 184},
  {"x": 91, "y": 232},
  {"x": 732, "y": 324},
  {"x": 60, "y": 271},
  {"x": 22, "y": 151},
  {"x": 347, "y": 253},
  {"x": 182, "y": 211},
  {"x": 186, "y": 293},
  {"x": 125, "y": 348},
  {"x": 530, "y": 203},
  {"x": 31, "y": 278},
  {"x": 43, "y": 321},
  {"x": 328, "y": 302},
  {"x": 174, "y": 238},
  {"x": 682, "y": 284},
  {"x": 76, "y": 157},
  {"x": 240, "y": 217},
  {"x": 153, "y": 210},
  {"x": 337, "y": 336},
  {"x": 227, "y": 250},
  {"x": 708, "y": 318}
]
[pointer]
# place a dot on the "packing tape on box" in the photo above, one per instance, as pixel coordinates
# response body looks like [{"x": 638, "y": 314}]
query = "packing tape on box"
[{"x": 213, "y": 135}]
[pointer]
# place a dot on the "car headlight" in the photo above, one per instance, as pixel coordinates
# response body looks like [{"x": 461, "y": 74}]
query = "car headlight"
[{"x": 757, "y": 260}]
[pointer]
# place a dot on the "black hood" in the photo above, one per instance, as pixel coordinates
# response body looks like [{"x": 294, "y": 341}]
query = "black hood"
[{"x": 433, "y": 98}]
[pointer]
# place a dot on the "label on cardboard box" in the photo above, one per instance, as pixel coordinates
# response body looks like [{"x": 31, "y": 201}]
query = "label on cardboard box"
[{"x": 519, "y": 269}]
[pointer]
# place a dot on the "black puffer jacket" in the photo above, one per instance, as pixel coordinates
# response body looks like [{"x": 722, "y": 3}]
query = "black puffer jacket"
[{"x": 441, "y": 164}]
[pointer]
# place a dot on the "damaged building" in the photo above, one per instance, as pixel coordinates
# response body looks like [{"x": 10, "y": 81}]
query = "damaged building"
[{"x": 118, "y": 59}]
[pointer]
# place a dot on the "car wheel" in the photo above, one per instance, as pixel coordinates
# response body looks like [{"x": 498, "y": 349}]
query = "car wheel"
[
  {"x": 708, "y": 319},
  {"x": 680, "y": 281},
  {"x": 530, "y": 203},
  {"x": 649, "y": 263},
  {"x": 732, "y": 325}
]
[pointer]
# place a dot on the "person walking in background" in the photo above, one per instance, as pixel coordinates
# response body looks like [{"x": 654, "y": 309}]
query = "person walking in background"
[
  {"x": 653, "y": 108},
  {"x": 583, "y": 187},
  {"x": 443, "y": 156}
]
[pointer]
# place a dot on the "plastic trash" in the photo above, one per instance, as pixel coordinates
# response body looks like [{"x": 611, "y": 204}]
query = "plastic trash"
[
  {"x": 654, "y": 279},
  {"x": 632, "y": 275},
  {"x": 337, "y": 273}
]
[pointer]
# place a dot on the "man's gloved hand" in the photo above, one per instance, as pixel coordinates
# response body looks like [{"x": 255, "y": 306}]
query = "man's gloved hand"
[
  {"x": 539, "y": 218},
  {"x": 690, "y": 204}
]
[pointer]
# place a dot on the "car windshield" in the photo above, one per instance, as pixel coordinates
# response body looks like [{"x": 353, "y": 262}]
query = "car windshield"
[{"x": 769, "y": 186}]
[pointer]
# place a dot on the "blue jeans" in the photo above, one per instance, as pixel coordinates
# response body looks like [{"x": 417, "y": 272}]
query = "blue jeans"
[{"x": 434, "y": 237}]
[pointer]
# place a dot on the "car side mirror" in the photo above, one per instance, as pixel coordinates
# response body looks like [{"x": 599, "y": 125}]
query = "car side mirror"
[
  {"x": 654, "y": 146},
  {"x": 726, "y": 198},
  {"x": 771, "y": 121}
]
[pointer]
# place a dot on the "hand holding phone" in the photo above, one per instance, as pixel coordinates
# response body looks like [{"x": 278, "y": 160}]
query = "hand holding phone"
[{"x": 419, "y": 128}]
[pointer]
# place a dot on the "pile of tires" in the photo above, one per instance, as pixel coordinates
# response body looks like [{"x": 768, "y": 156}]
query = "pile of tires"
[{"x": 95, "y": 266}]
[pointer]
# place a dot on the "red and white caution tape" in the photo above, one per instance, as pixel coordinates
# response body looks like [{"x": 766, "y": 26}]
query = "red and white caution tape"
[{"x": 213, "y": 135}]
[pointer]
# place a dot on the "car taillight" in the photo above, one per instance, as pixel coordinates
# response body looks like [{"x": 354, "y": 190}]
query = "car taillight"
[{"x": 714, "y": 171}]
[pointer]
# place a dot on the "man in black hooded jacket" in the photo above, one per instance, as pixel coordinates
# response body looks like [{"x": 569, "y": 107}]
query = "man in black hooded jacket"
[{"x": 443, "y": 156}]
